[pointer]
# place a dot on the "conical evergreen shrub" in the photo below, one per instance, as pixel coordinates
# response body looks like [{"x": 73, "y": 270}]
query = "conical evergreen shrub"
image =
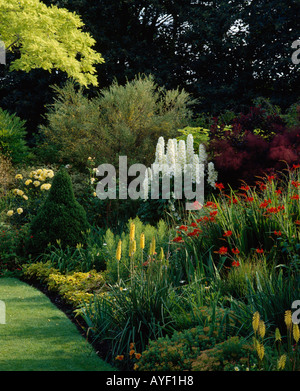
[{"x": 61, "y": 217}]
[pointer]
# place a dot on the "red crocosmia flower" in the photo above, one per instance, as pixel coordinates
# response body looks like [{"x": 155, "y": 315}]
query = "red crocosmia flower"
[
  {"x": 220, "y": 186},
  {"x": 277, "y": 233},
  {"x": 246, "y": 188},
  {"x": 235, "y": 201},
  {"x": 210, "y": 204},
  {"x": 199, "y": 220},
  {"x": 272, "y": 210},
  {"x": 265, "y": 203},
  {"x": 227, "y": 233},
  {"x": 259, "y": 251},
  {"x": 183, "y": 228},
  {"x": 214, "y": 213},
  {"x": 271, "y": 177},
  {"x": 193, "y": 225},
  {"x": 235, "y": 263},
  {"x": 295, "y": 166},
  {"x": 295, "y": 197},
  {"x": 178, "y": 239},
  {"x": 235, "y": 250},
  {"x": 195, "y": 232},
  {"x": 295, "y": 183},
  {"x": 222, "y": 250},
  {"x": 297, "y": 222},
  {"x": 262, "y": 186},
  {"x": 278, "y": 191},
  {"x": 198, "y": 230},
  {"x": 249, "y": 199}
]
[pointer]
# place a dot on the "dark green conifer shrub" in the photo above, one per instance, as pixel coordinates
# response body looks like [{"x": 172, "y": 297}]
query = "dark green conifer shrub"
[{"x": 61, "y": 218}]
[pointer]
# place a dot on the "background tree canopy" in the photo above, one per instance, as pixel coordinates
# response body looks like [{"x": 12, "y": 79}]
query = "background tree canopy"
[{"x": 225, "y": 52}]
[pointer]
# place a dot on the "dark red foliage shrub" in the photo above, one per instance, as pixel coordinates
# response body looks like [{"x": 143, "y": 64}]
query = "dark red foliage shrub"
[
  {"x": 257, "y": 118},
  {"x": 245, "y": 156}
]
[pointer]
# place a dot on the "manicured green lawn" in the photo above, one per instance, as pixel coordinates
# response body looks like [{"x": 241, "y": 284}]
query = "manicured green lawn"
[{"x": 39, "y": 337}]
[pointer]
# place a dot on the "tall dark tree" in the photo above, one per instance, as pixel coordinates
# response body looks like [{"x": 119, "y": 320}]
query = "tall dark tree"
[{"x": 226, "y": 52}]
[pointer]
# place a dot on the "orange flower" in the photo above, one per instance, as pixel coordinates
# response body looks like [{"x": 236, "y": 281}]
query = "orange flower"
[
  {"x": 265, "y": 203},
  {"x": 246, "y": 188},
  {"x": 235, "y": 250},
  {"x": 183, "y": 227},
  {"x": 222, "y": 250},
  {"x": 259, "y": 251},
  {"x": 219, "y": 186},
  {"x": 178, "y": 239},
  {"x": 120, "y": 357},
  {"x": 227, "y": 233},
  {"x": 295, "y": 183},
  {"x": 138, "y": 356},
  {"x": 195, "y": 232},
  {"x": 262, "y": 186},
  {"x": 131, "y": 346},
  {"x": 295, "y": 197},
  {"x": 131, "y": 353},
  {"x": 211, "y": 204}
]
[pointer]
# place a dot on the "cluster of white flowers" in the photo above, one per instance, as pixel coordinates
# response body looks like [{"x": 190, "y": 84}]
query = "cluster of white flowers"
[
  {"x": 212, "y": 174},
  {"x": 173, "y": 158}
]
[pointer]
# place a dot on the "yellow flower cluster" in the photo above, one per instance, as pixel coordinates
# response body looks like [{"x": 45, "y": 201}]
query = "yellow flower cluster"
[
  {"x": 36, "y": 177},
  {"x": 41, "y": 174},
  {"x": 11, "y": 212}
]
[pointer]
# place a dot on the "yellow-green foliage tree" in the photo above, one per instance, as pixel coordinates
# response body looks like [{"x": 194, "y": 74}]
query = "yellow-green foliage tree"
[{"x": 48, "y": 38}]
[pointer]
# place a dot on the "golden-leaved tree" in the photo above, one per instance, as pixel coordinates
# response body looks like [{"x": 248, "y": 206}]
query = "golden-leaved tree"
[{"x": 48, "y": 38}]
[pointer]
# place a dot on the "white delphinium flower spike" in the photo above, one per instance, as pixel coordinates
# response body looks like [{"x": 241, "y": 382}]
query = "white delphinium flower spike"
[
  {"x": 212, "y": 174},
  {"x": 202, "y": 154},
  {"x": 181, "y": 155},
  {"x": 190, "y": 149}
]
